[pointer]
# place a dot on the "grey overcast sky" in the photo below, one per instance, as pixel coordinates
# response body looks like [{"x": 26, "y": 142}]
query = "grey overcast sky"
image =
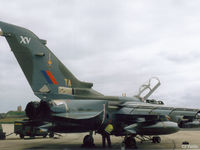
[{"x": 116, "y": 44}]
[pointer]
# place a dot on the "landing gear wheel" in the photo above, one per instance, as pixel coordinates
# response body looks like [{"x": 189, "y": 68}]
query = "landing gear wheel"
[
  {"x": 130, "y": 142},
  {"x": 156, "y": 139},
  {"x": 51, "y": 134},
  {"x": 88, "y": 141},
  {"x": 21, "y": 136}
]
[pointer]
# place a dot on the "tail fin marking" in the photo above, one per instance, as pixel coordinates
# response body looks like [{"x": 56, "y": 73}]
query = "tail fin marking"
[{"x": 49, "y": 77}]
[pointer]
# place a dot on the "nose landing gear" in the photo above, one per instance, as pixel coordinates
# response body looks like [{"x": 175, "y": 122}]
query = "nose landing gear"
[{"x": 88, "y": 141}]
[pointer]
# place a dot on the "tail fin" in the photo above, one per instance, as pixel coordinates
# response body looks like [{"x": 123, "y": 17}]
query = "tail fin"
[{"x": 44, "y": 72}]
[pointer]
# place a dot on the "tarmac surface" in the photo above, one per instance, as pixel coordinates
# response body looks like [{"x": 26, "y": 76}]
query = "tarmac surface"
[{"x": 74, "y": 141}]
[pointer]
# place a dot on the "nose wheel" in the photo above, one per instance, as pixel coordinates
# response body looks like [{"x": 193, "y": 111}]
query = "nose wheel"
[{"x": 88, "y": 141}]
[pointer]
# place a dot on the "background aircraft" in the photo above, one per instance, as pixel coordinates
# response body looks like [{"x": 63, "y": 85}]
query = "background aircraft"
[{"x": 69, "y": 105}]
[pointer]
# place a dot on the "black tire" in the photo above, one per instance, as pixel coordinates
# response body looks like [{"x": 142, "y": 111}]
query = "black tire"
[
  {"x": 130, "y": 142},
  {"x": 156, "y": 139},
  {"x": 88, "y": 141},
  {"x": 21, "y": 136},
  {"x": 51, "y": 135}
]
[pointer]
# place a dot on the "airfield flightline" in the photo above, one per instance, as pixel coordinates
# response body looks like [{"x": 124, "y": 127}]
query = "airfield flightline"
[{"x": 74, "y": 141}]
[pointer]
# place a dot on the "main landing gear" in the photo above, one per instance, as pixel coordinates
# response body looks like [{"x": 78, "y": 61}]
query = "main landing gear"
[
  {"x": 88, "y": 141},
  {"x": 130, "y": 142}
]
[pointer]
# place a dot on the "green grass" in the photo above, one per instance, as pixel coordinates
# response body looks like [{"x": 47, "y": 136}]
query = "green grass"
[
  {"x": 13, "y": 116},
  {"x": 10, "y": 120},
  {"x": 15, "y": 113}
]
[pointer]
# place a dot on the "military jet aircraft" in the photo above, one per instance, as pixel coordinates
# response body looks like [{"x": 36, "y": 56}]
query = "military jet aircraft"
[{"x": 69, "y": 105}]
